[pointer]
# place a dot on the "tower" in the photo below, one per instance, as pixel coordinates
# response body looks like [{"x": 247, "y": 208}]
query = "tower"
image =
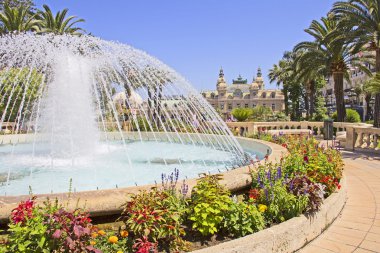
[
  {"x": 221, "y": 85},
  {"x": 259, "y": 79}
]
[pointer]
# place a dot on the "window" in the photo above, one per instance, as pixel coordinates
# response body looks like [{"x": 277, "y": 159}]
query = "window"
[
  {"x": 264, "y": 95},
  {"x": 264, "y": 105},
  {"x": 273, "y": 107},
  {"x": 238, "y": 93},
  {"x": 273, "y": 94},
  {"x": 229, "y": 106},
  {"x": 253, "y": 106},
  {"x": 246, "y": 106},
  {"x": 238, "y": 105}
]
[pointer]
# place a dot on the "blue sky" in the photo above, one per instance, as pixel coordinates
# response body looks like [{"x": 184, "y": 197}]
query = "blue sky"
[{"x": 197, "y": 37}]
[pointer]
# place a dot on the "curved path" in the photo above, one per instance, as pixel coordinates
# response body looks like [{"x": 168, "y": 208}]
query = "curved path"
[{"x": 357, "y": 229}]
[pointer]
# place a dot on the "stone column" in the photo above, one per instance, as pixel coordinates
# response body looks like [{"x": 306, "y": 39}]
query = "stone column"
[{"x": 350, "y": 138}]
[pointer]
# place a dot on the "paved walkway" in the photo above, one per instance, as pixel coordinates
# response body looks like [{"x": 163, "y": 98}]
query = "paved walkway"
[{"x": 357, "y": 229}]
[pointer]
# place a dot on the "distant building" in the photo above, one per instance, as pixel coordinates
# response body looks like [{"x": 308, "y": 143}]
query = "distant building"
[{"x": 241, "y": 94}]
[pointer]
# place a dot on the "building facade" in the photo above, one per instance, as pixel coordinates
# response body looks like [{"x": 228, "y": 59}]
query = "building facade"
[{"x": 241, "y": 94}]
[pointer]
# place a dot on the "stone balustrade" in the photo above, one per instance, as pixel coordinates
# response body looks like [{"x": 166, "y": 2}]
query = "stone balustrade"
[{"x": 359, "y": 136}]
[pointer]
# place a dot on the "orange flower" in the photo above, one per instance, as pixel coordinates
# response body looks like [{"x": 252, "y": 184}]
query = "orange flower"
[
  {"x": 101, "y": 232},
  {"x": 113, "y": 239},
  {"x": 92, "y": 243},
  {"x": 94, "y": 235},
  {"x": 124, "y": 233}
]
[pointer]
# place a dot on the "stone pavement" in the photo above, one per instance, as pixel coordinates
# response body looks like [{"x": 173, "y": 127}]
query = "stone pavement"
[{"x": 357, "y": 229}]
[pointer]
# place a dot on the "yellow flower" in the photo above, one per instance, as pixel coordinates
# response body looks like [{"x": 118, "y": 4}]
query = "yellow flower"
[
  {"x": 94, "y": 235},
  {"x": 92, "y": 243},
  {"x": 262, "y": 208},
  {"x": 124, "y": 233},
  {"x": 119, "y": 251},
  {"x": 113, "y": 239},
  {"x": 101, "y": 232}
]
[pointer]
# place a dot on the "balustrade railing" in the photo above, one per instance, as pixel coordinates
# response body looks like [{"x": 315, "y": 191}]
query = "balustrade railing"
[{"x": 359, "y": 136}]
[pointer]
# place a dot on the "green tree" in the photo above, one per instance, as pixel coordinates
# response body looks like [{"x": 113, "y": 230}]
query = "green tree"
[
  {"x": 362, "y": 17},
  {"x": 261, "y": 113},
  {"x": 19, "y": 92},
  {"x": 17, "y": 19},
  {"x": 352, "y": 116},
  {"x": 58, "y": 24},
  {"x": 281, "y": 74},
  {"x": 29, "y": 4},
  {"x": 331, "y": 53},
  {"x": 241, "y": 114},
  {"x": 320, "y": 109}
]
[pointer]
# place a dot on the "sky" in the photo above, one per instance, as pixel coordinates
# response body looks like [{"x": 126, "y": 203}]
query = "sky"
[{"x": 197, "y": 37}]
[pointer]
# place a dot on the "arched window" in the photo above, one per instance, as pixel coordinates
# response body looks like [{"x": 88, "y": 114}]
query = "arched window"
[
  {"x": 238, "y": 93},
  {"x": 273, "y": 94},
  {"x": 264, "y": 95}
]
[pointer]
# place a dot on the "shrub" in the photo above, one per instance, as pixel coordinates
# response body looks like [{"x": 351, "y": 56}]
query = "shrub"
[
  {"x": 157, "y": 215},
  {"x": 243, "y": 219},
  {"x": 241, "y": 114},
  {"x": 352, "y": 116},
  {"x": 303, "y": 186},
  {"x": 282, "y": 205},
  {"x": 209, "y": 204},
  {"x": 48, "y": 228},
  {"x": 111, "y": 241}
]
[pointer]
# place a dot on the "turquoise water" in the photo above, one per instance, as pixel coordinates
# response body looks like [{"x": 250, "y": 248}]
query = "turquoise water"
[{"x": 111, "y": 165}]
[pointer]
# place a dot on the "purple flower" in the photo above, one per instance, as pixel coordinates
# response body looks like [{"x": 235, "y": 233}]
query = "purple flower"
[
  {"x": 266, "y": 194},
  {"x": 279, "y": 173},
  {"x": 269, "y": 175},
  {"x": 176, "y": 171},
  {"x": 291, "y": 185}
]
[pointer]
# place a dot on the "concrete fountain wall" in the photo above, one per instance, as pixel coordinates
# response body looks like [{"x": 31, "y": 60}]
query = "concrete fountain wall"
[{"x": 108, "y": 202}]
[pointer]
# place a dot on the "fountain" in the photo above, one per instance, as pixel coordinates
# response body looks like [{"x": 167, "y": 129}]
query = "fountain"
[{"x": 96, "y": 114}]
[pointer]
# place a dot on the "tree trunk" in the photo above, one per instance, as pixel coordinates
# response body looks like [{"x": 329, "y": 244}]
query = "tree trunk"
[
  {"x": 286, "y": 99},
  {"x": 376, "y": 111},
  {"x": 339, "y": 96},
  {"x": 312, "y": 98},
  {"x": 307, "y": 103},
  {"x": 368, "y": 107}
]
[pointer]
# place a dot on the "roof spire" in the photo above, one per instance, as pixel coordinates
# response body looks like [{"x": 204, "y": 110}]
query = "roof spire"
[
  {"x": 259, "y": 74},
  {"x": 221, "y": 74}
]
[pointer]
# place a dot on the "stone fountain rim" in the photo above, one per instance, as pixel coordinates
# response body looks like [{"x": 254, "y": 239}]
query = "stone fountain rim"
[{"x": 110, "y": 201}]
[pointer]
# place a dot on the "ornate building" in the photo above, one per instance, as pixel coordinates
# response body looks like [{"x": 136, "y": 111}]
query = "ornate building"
[{"x": 242, "y": 94}]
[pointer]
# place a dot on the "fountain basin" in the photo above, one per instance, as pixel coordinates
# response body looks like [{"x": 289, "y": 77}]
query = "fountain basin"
[{"x": 108, "y": 201}]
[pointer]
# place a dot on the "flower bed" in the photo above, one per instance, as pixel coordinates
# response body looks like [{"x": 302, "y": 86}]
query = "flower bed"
[{"x": 163, "y": 219}]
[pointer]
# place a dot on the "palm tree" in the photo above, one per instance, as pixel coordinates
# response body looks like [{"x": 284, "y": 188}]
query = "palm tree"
[
  {"x": 310, "y": 77},
  {"x": 281, "y": 74},
  {"x": 17, "y": 19},
  {"x": 331, "y": 53},
  {"x": 58, "y": 24},
  {"x": 363, "y": 18}
]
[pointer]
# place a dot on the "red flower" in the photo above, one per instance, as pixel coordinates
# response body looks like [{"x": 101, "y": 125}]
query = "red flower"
[
  {"x": 254, "y": 194},
  {"x": 23, "y": 211}
]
